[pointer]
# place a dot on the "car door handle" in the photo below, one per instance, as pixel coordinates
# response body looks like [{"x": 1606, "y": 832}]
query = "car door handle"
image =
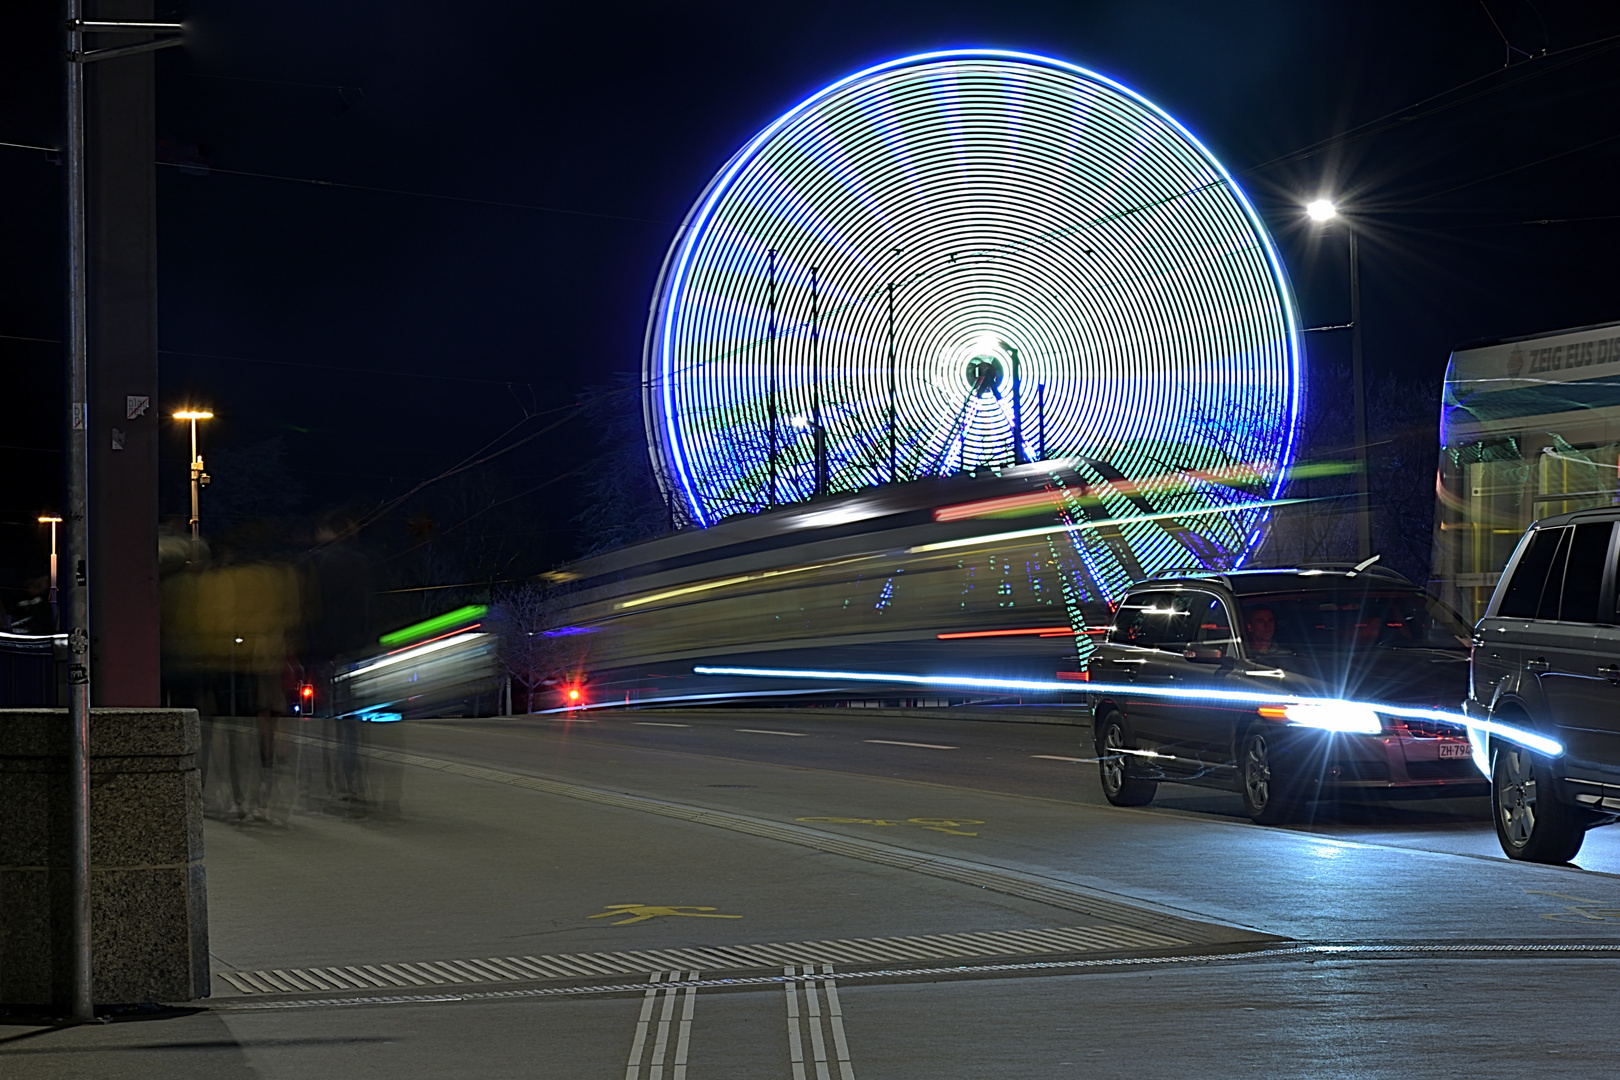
[
  {"x": 1538, "y": 664},
  {"x": 1612, "y": 672}
]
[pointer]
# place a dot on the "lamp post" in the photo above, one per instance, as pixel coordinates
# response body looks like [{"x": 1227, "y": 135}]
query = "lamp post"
[
  {"x": 1323, "y": 211},
  {"x": 199, "y": 479},
  {"x": 53, "y": 522},
  {"x": 235, "y": 643}
]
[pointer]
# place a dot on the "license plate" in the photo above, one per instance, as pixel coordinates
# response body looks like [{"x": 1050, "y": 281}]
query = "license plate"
[{"x": 1455, "y": 750}]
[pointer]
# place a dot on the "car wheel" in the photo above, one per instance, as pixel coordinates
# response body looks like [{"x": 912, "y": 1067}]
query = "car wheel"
[
  {"x": 1119, "y": 786},
  {"x": 1268, "y": 792},
  {"x": 1532, "y": 823}
]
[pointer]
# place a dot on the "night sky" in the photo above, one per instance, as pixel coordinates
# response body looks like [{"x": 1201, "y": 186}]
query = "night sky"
[{"x": 519, "y": 171}]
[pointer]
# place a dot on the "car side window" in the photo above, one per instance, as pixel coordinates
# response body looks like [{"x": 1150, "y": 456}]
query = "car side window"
[
  {"x": 1150, "y": 620},
  {"x": 1583, "y": 574},
  {"x": 1523, "y": 597},
  {"x": 1553, "y": 592},
  {"x": 1214, "y": 623}
]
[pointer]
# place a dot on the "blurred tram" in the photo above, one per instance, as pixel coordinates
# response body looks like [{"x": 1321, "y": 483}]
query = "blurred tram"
[
  {"x": 1000, "y": 573},
  {"x": 446, "y": 666}
]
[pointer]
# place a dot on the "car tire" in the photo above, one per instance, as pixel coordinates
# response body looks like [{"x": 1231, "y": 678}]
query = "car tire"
[
  {"x": 1270, "y": 795},
  {"x": 1120, "y": 787},
  {"x": 1532, "y": 823}
]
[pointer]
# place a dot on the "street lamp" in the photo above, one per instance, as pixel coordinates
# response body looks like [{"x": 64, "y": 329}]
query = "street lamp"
[
  {"x": 1322, "y": 211},
  {"x": 199, "y": 479},
  {"x": 53, "y": 522}
]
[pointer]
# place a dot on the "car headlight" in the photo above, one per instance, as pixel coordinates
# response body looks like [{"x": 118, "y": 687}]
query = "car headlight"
[{"x": 1344, "y": 716}]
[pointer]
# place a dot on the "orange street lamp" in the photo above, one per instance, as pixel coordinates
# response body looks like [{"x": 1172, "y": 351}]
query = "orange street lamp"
[
  {"x": 53, "y": 522},
  {"x": 199, "y": 479}
]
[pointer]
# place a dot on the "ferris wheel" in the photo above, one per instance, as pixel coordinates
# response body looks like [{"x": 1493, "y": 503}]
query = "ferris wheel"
[{"x": 977, "y": 258}]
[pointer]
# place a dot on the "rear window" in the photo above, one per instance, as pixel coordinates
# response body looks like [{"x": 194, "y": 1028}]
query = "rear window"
[
  {"x": 1560, "y": 575},
  {"x": 1522, "y": 600},
  {"x": 1150, "y": 620},
  {"x": 1346, "y": 618}
]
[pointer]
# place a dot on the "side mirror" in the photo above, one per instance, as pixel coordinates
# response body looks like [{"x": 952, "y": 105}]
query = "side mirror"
[{"x": 1204, "y": 654}]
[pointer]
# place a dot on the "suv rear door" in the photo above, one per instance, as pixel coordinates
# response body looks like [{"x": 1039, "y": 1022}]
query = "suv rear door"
[
  {"x": 1146, "y": 623},
  {"x": 1541, "y": 642},
  {"x": 1591, "y": 728}
]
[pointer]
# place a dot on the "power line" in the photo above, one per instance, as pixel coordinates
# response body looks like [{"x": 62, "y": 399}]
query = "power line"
[
  {"x": 1507, "y": 172},
  {"x": 191, "y": 167},
  {"x": 1404, "y": 114},
  {"x": 332, "y": 367}
]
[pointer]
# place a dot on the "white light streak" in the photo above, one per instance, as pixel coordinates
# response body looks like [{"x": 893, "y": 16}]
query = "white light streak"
[{"x": 1535, "y": 741}]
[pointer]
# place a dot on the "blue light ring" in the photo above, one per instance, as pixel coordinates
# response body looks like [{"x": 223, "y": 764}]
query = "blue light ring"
[{"x": 1292, "y": 323}]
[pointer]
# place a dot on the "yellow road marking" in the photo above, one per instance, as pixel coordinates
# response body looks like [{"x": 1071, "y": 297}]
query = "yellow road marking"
[{"x": 643, "y": 912}]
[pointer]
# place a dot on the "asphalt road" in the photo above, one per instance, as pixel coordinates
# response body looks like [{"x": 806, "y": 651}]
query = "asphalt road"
[{"x": 499, "y": 894}]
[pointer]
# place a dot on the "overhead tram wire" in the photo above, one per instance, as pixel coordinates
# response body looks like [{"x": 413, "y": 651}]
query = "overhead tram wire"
[
  {"x": 471, "y": 461},
  {"x": 1403, "y": 115},
  {"x": 210, "y": 169},
  {"x": 337, "y": 367}
]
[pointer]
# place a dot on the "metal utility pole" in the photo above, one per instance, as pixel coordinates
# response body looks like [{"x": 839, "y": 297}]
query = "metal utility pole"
[
  {"x": 770, "y": 292},
  {"x": 1019, "y": 456},
  {"x": 1040, "y": 418},
  {"x": 817, "y": 432},
  {"x": 892, "y": 476},
  {"x": 82, "y": 1008},
  {"x": 1323, "y": 211},
  {"x": 1364, "y": 520}
]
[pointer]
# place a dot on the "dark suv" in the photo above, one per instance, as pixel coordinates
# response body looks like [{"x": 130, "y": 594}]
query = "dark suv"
[
  {"x": 1546, "y": 657},
  {"x": 1269, "y": 682}
]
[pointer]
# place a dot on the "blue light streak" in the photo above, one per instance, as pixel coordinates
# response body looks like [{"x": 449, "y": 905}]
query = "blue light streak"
[{"x": 1535, "y": 741}]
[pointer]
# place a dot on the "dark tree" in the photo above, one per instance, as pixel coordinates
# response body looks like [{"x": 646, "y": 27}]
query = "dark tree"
[{"x": 620, "y": 499}]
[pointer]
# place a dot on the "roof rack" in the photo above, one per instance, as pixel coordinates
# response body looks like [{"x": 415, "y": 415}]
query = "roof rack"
[
  {"x": 1185, "y": 571},
  {"x": 1348, "y": 569}
]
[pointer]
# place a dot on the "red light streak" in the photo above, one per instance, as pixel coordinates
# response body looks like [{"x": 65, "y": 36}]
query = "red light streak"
[{"x": 1041, "y": 631}]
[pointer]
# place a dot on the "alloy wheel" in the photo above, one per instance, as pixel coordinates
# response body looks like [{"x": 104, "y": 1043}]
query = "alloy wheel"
[
  {"x": 1516, "y": 797},
  {"x": 1257, "y": 771},
  {"x": 1113, "y": 762}
]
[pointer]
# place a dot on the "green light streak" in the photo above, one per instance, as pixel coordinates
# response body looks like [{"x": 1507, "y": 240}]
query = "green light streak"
[{"x": 428, "y": 627}]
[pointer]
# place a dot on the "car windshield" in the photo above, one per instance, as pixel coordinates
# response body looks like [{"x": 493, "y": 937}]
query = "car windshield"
[{"x": 1349, "y": 618}]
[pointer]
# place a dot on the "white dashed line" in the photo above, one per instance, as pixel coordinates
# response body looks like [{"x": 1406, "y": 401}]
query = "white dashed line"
[
  {"x": 660, "y": 1034},
  {"x": 762, "y": 731},
  {"x": 918, "y": 745},
  {"x": 1055, "y": 757},
  {"x": 655, "y": 723},
  {"x": 813, "y": 1018}
]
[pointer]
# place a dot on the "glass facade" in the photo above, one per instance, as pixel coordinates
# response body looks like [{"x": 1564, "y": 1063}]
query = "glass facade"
[{"x": 1529, "y": 428}]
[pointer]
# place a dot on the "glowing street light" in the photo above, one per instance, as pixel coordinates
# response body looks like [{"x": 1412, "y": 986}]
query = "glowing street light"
[
  {"x": 1323, "y": 211},
  {"x": 53, "y": 522},
  {"x": 199, "y": 479}
]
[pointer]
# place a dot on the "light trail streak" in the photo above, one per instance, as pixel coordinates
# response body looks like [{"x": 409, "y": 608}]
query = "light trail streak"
[
  {"x": 410, "y": 654},
  {"x": 1078, "y": 526},
  {"x": 1535, "y": 741},
  {"x": 721, "y": 583}
]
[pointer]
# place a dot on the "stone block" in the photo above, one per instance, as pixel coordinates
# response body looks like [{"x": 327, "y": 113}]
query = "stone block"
[{"x": 149, "y": 905}]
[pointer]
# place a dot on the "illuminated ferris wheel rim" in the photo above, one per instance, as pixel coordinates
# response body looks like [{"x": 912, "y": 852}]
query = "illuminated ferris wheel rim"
[{"x": 670, "y": 291}]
